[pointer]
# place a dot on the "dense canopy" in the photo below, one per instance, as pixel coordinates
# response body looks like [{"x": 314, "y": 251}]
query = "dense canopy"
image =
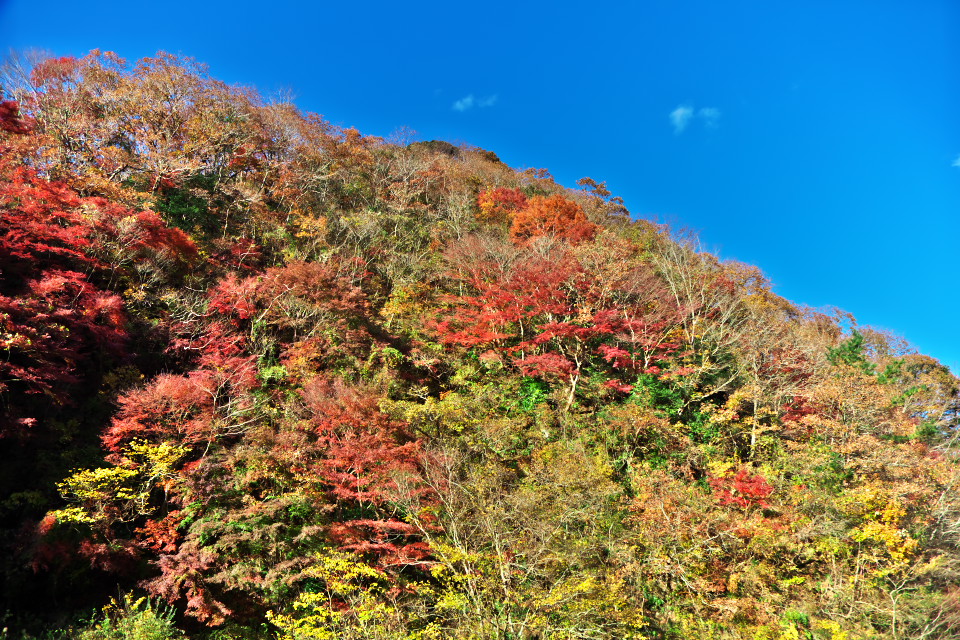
[{"x": 291, "y": 381}]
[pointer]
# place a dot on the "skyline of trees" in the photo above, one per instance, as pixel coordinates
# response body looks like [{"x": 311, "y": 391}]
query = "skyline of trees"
[{"x": 291, "y": 381}]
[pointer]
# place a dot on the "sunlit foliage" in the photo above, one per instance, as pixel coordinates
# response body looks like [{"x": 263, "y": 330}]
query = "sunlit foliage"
[{"x": 290, "y": 381}]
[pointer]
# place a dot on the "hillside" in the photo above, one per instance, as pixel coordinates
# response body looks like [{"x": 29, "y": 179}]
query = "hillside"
[{"x": 290, "y": 381}]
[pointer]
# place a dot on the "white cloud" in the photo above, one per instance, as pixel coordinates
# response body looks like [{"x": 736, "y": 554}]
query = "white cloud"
[
  {"x": 710, "y": 116},
  {"x": 956, "y": 163},
  {"x": 684, "y": 114},
  {"x": 469, "y": 102},
  {"x": 680, "y": 117},
  {"x": 464, "y": 103}
]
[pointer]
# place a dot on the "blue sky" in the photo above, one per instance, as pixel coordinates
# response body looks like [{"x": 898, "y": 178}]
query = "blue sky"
[{"x": 819, "y": 140}]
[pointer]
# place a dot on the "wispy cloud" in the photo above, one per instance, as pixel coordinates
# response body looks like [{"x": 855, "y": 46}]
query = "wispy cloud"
[
  {"x": 680, "y": 117},
  {"x": 956, "y": 163},
  {"x": 464, "y": 103},
  {"x": 710, "y": 116},
  {"x": 684, "y": 115},
  {"x": 469, "y": 102}
]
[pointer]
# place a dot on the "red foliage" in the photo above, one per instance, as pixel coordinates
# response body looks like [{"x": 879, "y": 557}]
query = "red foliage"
[
  {"x": 140, "y": 236},
  {"x": 55, "y": 73},
  {"x": 55, "y": 324},
  {"x": 790, "y": 364},
  {"x": 500, "y": 204},
  {"x": 318, "y": 284},
  {"x": 315, "y": 311},
  {"x": 508, "y": 303},
  {"x": 51, "y": 554},
  {"x": 742, "y": 490},
  {"x": 244, "y": 159},
  {"x": 546, "y": 365},
  {"x": 234, "y": 298},
  {"x": 369, "y": 461},
  {"x": 47, "y": 524},
  {"x": 616, "y": 385},
  {"x": 354, "y": 467},
  {"x": 552, "y": 317},
  {"x": 116, "y": 556},
  {"x": 11, "y": 120},
  {"x": 53, "y": 320},
  {"x": 796, "y": 409},
  {"x": 160, "y": 536},
  {"x": 196, "y": 408},
  {"x": 41, "y": 226},
  {"x": 243, "y": 255},
  {"x": 184, "y": 575}
]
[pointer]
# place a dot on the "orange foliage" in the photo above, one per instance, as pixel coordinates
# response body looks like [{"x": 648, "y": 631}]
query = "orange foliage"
[
  {"x": 554, "y": 215},
  {"x": 499, "y": 205}
]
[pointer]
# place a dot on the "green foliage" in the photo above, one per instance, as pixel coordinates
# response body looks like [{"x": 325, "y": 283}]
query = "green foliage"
[
  {"x": 927, "y": 431},
  {"x": 832, "y": 474},
  {"x": 187, "y": 207},
  {"x": 653, "y": 392},
  {"x": 273, "y": 375},
  {"x": 891, "y": 373},
  {"x": 533, "y": 392},
  {"x": 852, "y": 352},
  {"x": 671, "y": 401}
]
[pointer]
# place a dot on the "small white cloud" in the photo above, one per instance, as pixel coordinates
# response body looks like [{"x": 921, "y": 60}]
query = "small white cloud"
[
  {"x": 680, "y": 117},
  {"x": 956, "y": 163},
  {"x": 464, "y": 103},
  {"x": 684, "y": 114},
  {"x": 470, "y": 101},
  {"x": 710, "y": 116}
]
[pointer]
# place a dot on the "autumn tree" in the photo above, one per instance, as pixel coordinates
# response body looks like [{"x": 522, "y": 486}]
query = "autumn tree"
[
  {"x": 55, "y": 319},
  {"x": 553, "y": 215},
  {"x": 500, "y": 204},
  {"x": 553, "y": 318}
]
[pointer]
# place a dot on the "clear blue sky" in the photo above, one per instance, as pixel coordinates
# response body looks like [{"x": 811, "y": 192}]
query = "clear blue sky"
[{"x": 819, "y": 140}]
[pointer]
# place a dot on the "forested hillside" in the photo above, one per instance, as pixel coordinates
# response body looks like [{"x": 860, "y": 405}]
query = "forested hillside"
[{"x": 265, "y": 377}]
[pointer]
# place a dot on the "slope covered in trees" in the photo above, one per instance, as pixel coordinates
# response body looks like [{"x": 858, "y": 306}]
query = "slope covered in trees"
[{"x": 290, "y": 381}]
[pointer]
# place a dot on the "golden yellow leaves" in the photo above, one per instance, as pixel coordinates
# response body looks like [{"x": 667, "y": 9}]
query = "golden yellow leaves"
[{"x": 119, "y": 493}]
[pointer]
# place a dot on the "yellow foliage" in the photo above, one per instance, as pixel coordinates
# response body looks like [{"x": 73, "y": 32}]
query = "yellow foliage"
[
  {"x": 98, "y": 484},
  {"x": 156, "y": 462},
  {"x": 119, "y": 493},
  {"x": 72, "y": 515},
  {"x": 352, "y": 603},
  {"x": 882, "y": 535},
  {"x": 833, "y": 628}
]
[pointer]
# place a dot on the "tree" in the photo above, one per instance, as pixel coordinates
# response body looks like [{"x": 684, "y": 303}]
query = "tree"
[
  {"x": 553, "y": 215},
  {"x": 10, "y": 119},
  {"x": 710, "y": 297},
  {"x": 55, "y": 322},
  {"x": 556, "y": 320},
  {"x": 500, "y": 204}
]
